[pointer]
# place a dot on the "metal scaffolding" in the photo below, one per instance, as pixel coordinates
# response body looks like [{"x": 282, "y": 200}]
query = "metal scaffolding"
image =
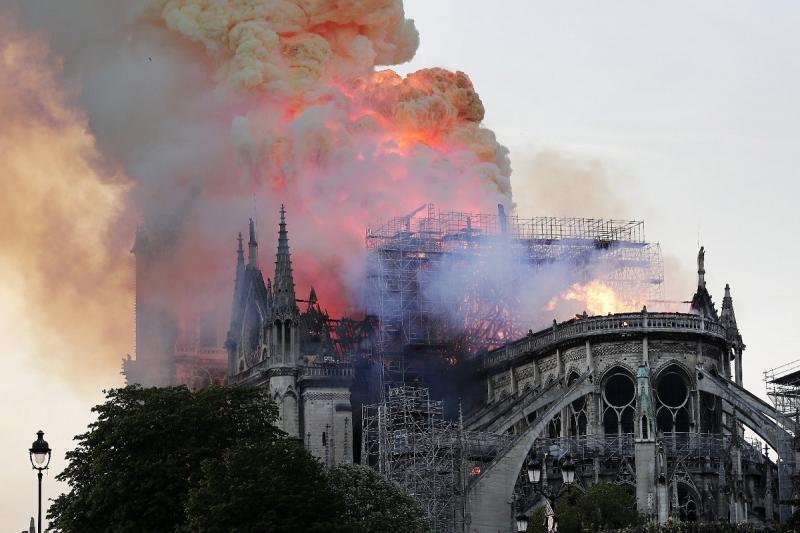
[
  {"x": 406, "y": 438},
  {"x": 409, "y": 255},
  {"x": 783, "y": 388}
]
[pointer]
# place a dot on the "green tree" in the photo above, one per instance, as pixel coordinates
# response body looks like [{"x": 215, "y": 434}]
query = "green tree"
[
  {"x": 603, "y": 507},
  {"x": 272, "y": 486},
  {"x": 375, "y": 504},
  {"x": 132, "y": 470}
]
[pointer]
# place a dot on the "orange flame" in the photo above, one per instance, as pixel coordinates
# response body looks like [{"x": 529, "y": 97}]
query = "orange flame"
[{"x": 599, "y": 298}]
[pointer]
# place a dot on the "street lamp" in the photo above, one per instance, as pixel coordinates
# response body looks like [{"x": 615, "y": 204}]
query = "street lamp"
[
  {"x": 40, "y": 459},
  {"x": 522, "y": 522},
  {"x": 568, "y": 470},
  {"x": 534, "y": 470}
]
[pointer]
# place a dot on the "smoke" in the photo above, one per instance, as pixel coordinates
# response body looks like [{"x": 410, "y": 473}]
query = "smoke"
[
  {"x": 314, "y": 125},
  {"x": 60, "y": 202},
  {"x": 206, "y": 113}
]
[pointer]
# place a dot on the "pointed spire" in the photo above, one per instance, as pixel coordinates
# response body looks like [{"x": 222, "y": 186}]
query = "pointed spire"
[
  {"x": 284, "y": 281},
  {"x": 727, "y": 316},
  {"x": 312, "y": 297},
  {"x": 239, "y": 280},
  {"x": 252, "y": 258}
]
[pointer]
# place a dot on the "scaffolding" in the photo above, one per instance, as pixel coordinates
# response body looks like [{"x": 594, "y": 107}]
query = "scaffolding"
[
  {"x": 407, "y": 440},
  {"x": 783, "y": 388},
  {"x": 409, "y": 255}
]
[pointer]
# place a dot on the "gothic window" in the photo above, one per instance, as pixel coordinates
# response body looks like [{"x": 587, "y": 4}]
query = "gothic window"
[
  {"x": 710, "y": 413},
  {"x": 577, "y": 411},
  {"x": 619, "y": 403},
  {"x": 288, "y": 326},
  {"x": 554, "y": 427},
  {"x": 251, "y": 334},
  {"x": 278, "y": 333},
  {"x": 672, "y": 395}
]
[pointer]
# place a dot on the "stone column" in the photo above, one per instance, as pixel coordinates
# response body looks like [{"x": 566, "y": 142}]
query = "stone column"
[
  {"x": 738, "y": 352},
  {"x": 768, "y": 504},
  {"x": 589, "y": 358}
]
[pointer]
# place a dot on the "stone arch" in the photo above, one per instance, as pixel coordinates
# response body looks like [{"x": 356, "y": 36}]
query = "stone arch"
[
  {"x": 617, "y": 365},
  {"x": 490, "y": 493}
]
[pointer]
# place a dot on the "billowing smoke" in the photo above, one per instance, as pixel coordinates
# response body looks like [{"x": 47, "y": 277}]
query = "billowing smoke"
[
  {"x": 62, "y": 209},
  {"x": 314, "y": 125},
  {"x": 214, "y": 112}
]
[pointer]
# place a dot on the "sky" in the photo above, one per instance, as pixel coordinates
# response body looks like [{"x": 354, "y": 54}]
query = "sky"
[{"x": 683, "y": 114}]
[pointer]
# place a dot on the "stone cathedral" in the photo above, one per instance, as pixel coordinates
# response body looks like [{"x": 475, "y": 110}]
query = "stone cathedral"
[{"x": 272, "y": 344}]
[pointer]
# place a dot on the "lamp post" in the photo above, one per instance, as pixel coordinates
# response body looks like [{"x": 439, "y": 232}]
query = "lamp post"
[
  {"x": 40, "y": 459},
  {"x": 534, "y": 471}
]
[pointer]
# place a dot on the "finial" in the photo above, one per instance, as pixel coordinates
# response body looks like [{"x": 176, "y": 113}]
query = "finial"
[{"x": 727, "y": 290}]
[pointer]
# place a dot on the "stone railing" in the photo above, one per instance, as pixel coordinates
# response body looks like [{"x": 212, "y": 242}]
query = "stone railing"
[
  {"x": 589, "y": 326},
  {"x": 329, "y": 371},
  {"x": 694, "y": 446}
]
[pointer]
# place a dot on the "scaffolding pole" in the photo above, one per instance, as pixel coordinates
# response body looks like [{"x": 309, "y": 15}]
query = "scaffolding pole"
[{"x": 783, "y": 388}]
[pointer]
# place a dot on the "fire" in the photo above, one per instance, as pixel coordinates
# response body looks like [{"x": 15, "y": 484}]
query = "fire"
[
  {"x": 317, "y": 125},
  {"x": 599, "y": 299}
]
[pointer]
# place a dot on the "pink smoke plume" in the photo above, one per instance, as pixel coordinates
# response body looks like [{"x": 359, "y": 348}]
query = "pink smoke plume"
[{"x": 313, "y": 124}]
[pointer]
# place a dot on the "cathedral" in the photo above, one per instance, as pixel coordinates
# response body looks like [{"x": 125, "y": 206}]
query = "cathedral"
[{"x": 272, "y": 344}]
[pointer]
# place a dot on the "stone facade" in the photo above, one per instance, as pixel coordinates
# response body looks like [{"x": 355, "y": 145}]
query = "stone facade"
[
  {"x": 650, "y": 401},
  {"x": 272, "y": 344}
]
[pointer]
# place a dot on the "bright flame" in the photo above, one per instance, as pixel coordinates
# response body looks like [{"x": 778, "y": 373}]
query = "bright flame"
[{"x": 599, "y": 299}]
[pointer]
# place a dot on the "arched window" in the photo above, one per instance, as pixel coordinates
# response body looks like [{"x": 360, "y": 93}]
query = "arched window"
[
  {"x": 577, "y": 411},
  {"x": 672, "y": 395},
  {"x": 619, "y": 403}
]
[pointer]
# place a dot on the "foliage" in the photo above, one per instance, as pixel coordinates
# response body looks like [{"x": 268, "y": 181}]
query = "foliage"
[
  {"x": 603, "y": 507},
  {"x": 132, "y": 470},
  {"x": 274, "y": 486},
  {"x": 171, "y": 460},
  {"x": 375, "y": 504}
]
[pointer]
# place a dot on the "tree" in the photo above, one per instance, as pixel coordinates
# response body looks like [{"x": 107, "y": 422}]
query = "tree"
[
  {"x": 607, "y": 506},
  {"x": 272, "y": 486},
  {"x": 603, "y": 507},
  {"x": 132, "y": 470},
  {"x": 375, "y": 504}
]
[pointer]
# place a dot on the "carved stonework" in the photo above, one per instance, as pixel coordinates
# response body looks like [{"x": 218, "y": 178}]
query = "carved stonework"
[
  {"x": 575, "y": 354},
  {"x": 616, "y": 349},
  {"x": 665, "y": 348}
]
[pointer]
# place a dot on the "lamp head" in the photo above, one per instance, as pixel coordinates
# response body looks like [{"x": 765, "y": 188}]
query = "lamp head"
[
  {"x": 534, "y": 470},
  {"x": 40, "y": 452},
  {"x": 522, "y": 523}
]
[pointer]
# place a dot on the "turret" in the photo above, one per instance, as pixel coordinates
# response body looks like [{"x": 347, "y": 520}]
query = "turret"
[{"x": 728, "y": 320}]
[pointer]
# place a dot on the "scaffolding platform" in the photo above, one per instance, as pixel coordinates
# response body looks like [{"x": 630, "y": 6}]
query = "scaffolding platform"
[
  {"x": 409, "y": 255},
  {"x": 783, "y": 389}
]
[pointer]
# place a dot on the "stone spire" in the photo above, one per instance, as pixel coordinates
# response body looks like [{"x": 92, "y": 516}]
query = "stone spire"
[
  {"x": 284, "y": 282},
  {"x": 252, "y": 257},
  {"x": 727, "y": 316}
]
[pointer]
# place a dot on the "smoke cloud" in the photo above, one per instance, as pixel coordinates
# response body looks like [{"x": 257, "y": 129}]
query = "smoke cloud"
[{"x": 67, "y": 278}]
